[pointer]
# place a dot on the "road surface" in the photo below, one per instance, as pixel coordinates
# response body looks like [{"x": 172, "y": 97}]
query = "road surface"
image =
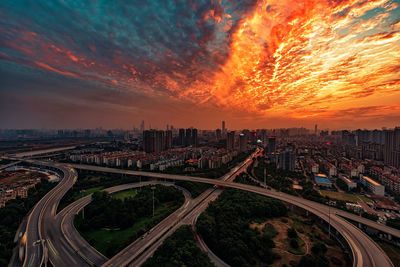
[
  {"x": 365, "y": 251},
  {"x": 43, "y": 214},
  {"x": 87, "y": 255},
  {"x": 138, "y": 252}
]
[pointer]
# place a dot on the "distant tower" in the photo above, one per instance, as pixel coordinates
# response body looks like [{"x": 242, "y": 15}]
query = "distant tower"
[
  {"x": 242, "y": 142},
  {"x": 223, "y": 128},
  {"x": 181, "y": 137},
  {"x": 230, "y": 141},
  {"x": 316, "y": 129},
  {"x": 142, "y": 126}
]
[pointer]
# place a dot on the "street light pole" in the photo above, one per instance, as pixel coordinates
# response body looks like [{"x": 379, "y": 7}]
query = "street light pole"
[
  {"x": 329, "y": 220},
  {"x": 152, "y": 188},
  {"x": 265, "y": 176}
]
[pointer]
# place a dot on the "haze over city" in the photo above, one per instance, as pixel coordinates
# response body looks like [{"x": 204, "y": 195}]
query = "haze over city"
[{"x": 70, "y": 64}]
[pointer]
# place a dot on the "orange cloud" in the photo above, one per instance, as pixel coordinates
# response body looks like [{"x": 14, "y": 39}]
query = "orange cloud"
[{"x": 302, "y": 56}]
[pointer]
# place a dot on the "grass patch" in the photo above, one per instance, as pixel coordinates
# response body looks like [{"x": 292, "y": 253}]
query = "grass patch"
[
  {"x": 110, "y": 241},
  {"x": 125, "y": 194},
  {"x": 89, "y": 191},
  {"x": 113, "y": 221},
  {"x": 344, "y": 196}
]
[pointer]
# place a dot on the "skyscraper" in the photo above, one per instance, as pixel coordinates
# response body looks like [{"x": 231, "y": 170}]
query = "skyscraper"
[
  {"x": 264, "y": 137},
  {"x": 194, "y": 140},
  {"x": 392, "y": 147},
  {"x": 230, "y": 140},
  {"x": 271, "y": 144},
  {"x": 287, "y": 160},
  {"x": 218, "y": 134},
  {"x": 242, "y": 142},
  {"x": 223, "y": 129},
  {"x": 181, "y": 140},
  {"x": 188, "y": 136},
  {"x": 153, "y": 141},
  {"x": 168, "y": 139}
]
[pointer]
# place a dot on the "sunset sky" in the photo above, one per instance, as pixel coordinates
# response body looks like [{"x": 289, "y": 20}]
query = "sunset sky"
[{"x": 255, "y": 64}]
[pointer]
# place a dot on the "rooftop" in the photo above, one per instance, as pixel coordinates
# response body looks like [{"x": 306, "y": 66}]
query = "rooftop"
[{"x": 371, "y": 181}]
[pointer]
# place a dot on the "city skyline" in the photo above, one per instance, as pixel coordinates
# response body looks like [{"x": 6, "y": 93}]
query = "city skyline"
[{"x": 255, "y": 64}]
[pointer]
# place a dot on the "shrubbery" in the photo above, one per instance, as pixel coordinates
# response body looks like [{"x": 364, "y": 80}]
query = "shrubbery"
[{"x": 225, "y": 227}]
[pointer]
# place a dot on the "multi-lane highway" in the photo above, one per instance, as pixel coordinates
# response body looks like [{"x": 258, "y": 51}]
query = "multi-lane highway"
[
  {"x": 43, "y": 214},
  {"x": 42, "y": 218},
  {"x": 85, "y": 254},
  {"x": 44, "y": 241},
  {"x": 365, "y": 251},
  {"x": 138, "y": 252}
]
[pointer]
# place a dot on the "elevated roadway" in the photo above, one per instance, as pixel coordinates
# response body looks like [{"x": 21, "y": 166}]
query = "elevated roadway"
[
  {"x": 85, "y": 254},
  {"x": 43, "y": 214},
  {"x": 365, "y": 251},
  {"x": 138, "y": 252}
]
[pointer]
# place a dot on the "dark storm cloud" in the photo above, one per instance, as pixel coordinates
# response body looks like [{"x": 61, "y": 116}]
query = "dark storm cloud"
[{"x": 139, "y": 45}]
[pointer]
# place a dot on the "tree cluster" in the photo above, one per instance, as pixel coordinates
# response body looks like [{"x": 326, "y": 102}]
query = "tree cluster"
[
  {"x": 180, "y": 249},
  {"x": 225, "y": 227},
  {"x": 107, "y": 212},
  {"x": 395, "y": 223},
  {"x": 88, "y": 180},
  {"x": 317, "y": 258}
]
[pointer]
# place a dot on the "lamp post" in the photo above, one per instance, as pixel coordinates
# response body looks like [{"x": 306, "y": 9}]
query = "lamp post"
[
  {"x": 265, "y": 177},
  {"x": 153, "y": 188},
  {"x": 329, "y": 226}
]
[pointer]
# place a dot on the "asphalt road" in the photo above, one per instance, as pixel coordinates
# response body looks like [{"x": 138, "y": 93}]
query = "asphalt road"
[
  {"x": 85, "y": 253},
  {"x": 42, "y": 218},
  {"x": 43, "y": 214},
  {"x": 365, "y": 251},
  {"x": 42, "y": 226}
]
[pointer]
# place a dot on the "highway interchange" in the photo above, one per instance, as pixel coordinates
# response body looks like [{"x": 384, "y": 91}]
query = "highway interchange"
[{"x": 51, "y": 236}]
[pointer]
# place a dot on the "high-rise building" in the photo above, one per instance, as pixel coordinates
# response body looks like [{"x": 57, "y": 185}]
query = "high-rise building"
[
  {"x": 181, "y": 140},
  {"x": 242, "y": 142},
  {"x": 287, "y": 160},
  {"x": 316, "y": 129},
  {"x": 263, "y": 136},
  {"x": 223, "y": 129},
  {"x": 252, "y": 136},
  {"x": 230, "y": 140},
  {"x": 218, "y": 134},
  {"x": 188, "y": 136},
  {"x": 194, "y": 138},
  {"x": 392, "y": 147},
  {"x": 153, "y": 141},
  {"x": 271, "y": 144},
  {"x": 168, "y": 139}
]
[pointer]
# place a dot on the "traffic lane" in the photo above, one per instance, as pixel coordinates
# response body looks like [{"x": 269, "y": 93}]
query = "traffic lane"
[
  {"x": 72, "y": 235},
  {"x": 199, "y": 204},
  {"x": 384, "y": 228},
  {"x": 139, "y": 245},
  {"x": 283, "y": 197}
]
